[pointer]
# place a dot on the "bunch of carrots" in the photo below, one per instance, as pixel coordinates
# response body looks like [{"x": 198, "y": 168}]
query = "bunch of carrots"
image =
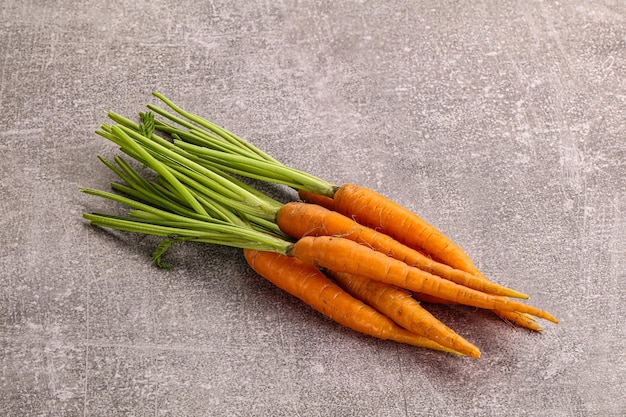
[{"x": 350, "y": 253}]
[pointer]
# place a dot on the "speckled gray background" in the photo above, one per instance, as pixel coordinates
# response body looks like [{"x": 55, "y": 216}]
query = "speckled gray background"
[{"x": 503, "y": 123}]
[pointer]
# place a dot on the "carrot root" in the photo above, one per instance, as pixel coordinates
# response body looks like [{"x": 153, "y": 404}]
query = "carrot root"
[
  {"x": 302, "y": 219},
  {"x": 343, "y": 255},
  {"x": 311, "y": 286}
]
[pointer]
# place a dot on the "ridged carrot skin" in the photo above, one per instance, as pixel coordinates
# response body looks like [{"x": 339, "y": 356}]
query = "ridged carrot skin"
[
  {"x": 344, "y": 255},
  {"x": 311, "y": 286},
  {"x": 299, "y": 219},
  {"x": 374, "y": 210},
  {"x": 402, "y": 308}
]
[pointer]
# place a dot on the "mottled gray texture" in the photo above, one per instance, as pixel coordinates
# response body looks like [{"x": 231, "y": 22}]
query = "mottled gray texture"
[{"x": 503, "y": 123}]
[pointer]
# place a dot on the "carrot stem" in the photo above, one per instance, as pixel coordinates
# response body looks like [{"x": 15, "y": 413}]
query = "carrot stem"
[
  {"x": 228, "y": 136},
  {"x": 262, "y": 166}
]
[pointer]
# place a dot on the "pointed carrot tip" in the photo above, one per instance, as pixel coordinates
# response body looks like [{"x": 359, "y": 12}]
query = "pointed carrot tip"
[
  {"x": 551, "y": 318},
  {"x": 504, "y": 291},
  {"x": 517, "y": 294},
  {"x": 470, "y": 350},
  {"x": 474, "y": 354},
  {"x": 532, "y": 326}
]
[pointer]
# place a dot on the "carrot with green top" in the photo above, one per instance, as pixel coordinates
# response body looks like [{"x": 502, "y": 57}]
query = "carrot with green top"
[
  {"x": 386, "y": 216},
  {"x": 163, "y": 215},
  {"x": 310, "y": 285},
  {"x": 193, "y": 199}
]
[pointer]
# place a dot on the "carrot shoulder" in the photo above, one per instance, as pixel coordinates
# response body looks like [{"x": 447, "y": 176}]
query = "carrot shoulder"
[
  {"x": 320, "y": 200},
  {"x": 344, "y": 255},
  {"x": 401, "y": 307},
  {"x": 301, "y": 219},
  {"x": 311, "y": 286}
]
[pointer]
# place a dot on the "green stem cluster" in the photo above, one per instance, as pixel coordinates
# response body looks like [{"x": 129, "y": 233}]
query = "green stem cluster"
[
  {"x": 186, "y": 200},
  {"x": 216, "y": 147},
  {"x": 191, "y": 196}
]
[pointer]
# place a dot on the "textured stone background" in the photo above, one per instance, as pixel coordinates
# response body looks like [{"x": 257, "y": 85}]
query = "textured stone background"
[{"x": 500, "y": 122}]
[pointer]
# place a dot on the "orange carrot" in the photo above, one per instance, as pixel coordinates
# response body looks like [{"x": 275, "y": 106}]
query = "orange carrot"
[
  {"x": 410, "y": 229},
  {"x": 344, "y": 255},
  {"x": 297, "y": 224},
  {"x": 378, "y": 212},
  {"x": 320, "y": 200},
  {"x": 301, "y": 219},
  {"x": 402, "y": 308},
  {"x": 311, "y": 286}
]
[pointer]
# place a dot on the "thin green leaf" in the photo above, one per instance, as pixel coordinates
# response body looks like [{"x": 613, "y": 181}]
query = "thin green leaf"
[
  {"x": 159, "y": 167},
  {"x": 147, "y": 124},
  {"x": 228, "y": 136},
  {"x": 157, "y": 255}
]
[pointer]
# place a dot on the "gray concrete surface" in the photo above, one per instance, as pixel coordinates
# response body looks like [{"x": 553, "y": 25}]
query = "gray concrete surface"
[{"x": 500, "y": 122}]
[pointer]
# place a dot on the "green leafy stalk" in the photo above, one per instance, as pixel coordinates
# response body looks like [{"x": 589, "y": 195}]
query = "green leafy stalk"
[
  {"x": 188, "y": 201},
  {"x": 223, "y": 133},
  {"x": 157, "y": 222},
  {"x": 177, "y": 161},
  {"x": 201, "y": 137},
  {"x": 158, "y": 167},
  {"x": 224, "y": 150},
  {"x": 261, "y": 170},
  {"x": 191, "y": 197},
  {"x": 219, "y": 234}
]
